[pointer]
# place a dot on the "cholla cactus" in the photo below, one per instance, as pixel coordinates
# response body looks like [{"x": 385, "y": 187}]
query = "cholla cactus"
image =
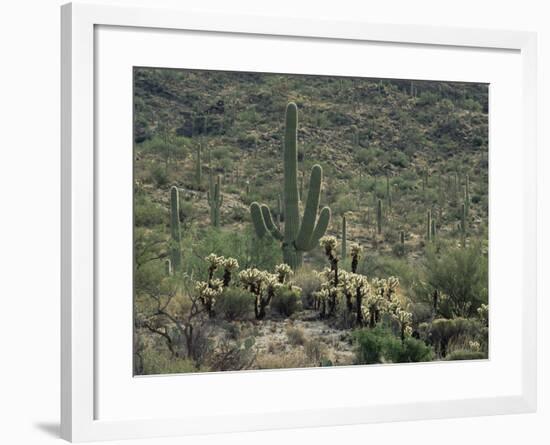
[
  {"x": 359, "y": 287},
  {"x": 283, "y": 271},
  {"x": 229, "y": 265},
  {"x": 404, "y": 319},
  {"x": 483, "y": 313},
  {"x": 347, "y": 287},
  {"x": 356, "y": 250},
  {"x": 321, "y": 297},
  {"x": 329, "y": 244},
  {"x": 392, "y": 283},
  {"x": 386, "y": 287},
  {"x": 214, "y": 261},
  {"x": 375, "y": 304},
  {"x": 208, "y": 292},
  {"x": 474, "y": 346},
  {"x": 251, "y": 279},
  {"x": 262, "y": 285}
]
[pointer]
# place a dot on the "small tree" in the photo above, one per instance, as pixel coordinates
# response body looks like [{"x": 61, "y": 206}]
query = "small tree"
[{"x": 460, "y": 275}]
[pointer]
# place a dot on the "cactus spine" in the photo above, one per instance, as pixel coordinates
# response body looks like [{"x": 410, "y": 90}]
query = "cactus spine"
[
  {"x": 299, "y": 236},
  {"x": 215, "y": 200},
  {"x": 175, "y": 245},
  {"x": 344, "y": 236},
  {"x": 379, "y": 216}
]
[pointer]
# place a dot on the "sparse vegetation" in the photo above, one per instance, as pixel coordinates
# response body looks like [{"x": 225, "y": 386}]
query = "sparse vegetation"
[{"x": 238, "y": 262}]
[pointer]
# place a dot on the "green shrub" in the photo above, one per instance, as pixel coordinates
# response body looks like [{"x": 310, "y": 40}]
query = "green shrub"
[
  {"x": 286, "y": 301},
  {"x": 307, "y": 280},
  {"x": 158, "y": 175},
  {"x": 369, "y": 345},
  {"x": 148, "y": 214},
  {"x": 160, "y": 362},
  {"x": 462, "y": 275},
  {"x": 236, "y": 304},
  {"x": 410, "y": 350},
  {"x": 464, "y": 354},
  {"x": 380, "y": 345},
  {"x": 443, "y": 331}
]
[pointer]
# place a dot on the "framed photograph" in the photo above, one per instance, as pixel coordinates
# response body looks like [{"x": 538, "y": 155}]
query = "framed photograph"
[{"x": 273, "y": 223}]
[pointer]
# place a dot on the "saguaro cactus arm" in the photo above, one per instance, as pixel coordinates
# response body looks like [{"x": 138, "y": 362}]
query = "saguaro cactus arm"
[
  {"x": 320, "y": 228},
  {"x": 269, "y": 224},
  {"x": 258, "y": 220},
  {"x": 310, "y": 211}
]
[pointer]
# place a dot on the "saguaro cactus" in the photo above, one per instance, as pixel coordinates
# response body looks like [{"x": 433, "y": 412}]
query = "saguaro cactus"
[
  {"x": 344, "y": 236},
  {"x": 175, "y": 244},
  {"x": 215, "y": 201},
  {"x": 463, "y": 220},
  {"x": 429, "y": 225},
  {"x": 198, "y": 167},
  {"x": 379, "y": 216},
  {"x": 467, "y": 194},
  {"x": 388, "y": 192},
  {"x": 167, "y": 267},
  {"x": 299, "y": 236}
]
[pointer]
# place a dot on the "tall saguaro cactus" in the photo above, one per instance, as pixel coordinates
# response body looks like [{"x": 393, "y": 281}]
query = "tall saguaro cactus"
[
  {"x": 379, "y": 216},
  {"x": 198, "y": 167},
  {"x": 299, "y": 235},
  {"x": 429, "y": 225},
  {"x": 344, "y": 238},
  {"x": 215, "y": 201},
  {"x": 175, "y": 244}
]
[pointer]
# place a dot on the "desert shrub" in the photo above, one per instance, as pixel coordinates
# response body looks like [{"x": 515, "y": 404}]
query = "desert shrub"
[
  {"x": 407, "y": 351},
  {"x": 148, "y": 214},
  {"x": 399, "y": 249},
  {"x": 386, "y": 266},
  {"x": 343, "y": 204},
  {"x": 464, "y": 354},
  {"x": 158, "y": 175},
  {"x": 462, "y": 275},
  {"x": 161, "y": 362},
  {"x": 236, "y": 303},
  {"x": 295, "y": 336},
  {"x": 399, "y": 159},
  {"x": 380, "y": 345},
  {"x": 315, "y": 351},
  {"x": 187, "y": 210},
  {"x": 307, "y": 280},
  {"x": 243, "y": 245},
  {"x": 286, "y": 301},
  {"x": 232, "y": 355},
  {"x": 421, "y": 312},
  {"x": 444, "y": 331},
  {"x": 369, "y": 345},
  {"x": 293, "y": 359}
]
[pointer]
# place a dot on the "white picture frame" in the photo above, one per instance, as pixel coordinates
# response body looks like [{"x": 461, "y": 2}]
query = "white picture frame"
[{"x": 81, "y": 418}]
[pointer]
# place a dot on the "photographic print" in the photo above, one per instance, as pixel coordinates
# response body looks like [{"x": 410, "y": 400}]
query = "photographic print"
[{"x": 299, "y": 221}]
